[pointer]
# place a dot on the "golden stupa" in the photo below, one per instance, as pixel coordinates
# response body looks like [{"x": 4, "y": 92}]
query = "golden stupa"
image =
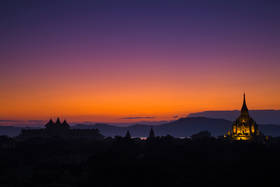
[{"x": 244, "y": 127}]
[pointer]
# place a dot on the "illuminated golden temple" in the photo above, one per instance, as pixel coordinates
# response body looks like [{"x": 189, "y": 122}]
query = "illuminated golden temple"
[{"x": 244, "y": 128}]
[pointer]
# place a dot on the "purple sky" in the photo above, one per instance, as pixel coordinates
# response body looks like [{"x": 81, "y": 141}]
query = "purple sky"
[{"x": 107, "y": 60}]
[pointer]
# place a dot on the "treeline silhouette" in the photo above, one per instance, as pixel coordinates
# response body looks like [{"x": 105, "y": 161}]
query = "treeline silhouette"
[{"x": 125, "y": 161}]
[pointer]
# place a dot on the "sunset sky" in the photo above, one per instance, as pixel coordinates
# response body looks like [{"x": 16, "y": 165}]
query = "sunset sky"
[{"x": 113, "y": 60}]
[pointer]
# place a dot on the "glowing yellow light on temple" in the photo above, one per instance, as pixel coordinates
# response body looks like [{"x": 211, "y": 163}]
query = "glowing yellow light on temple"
[
  {"x": 244, "y": 128},
  {"x": 253, "y": 129}
]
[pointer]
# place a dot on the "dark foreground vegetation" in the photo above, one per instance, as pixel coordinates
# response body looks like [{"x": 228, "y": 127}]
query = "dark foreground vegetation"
[{"x": 164, "y": 161}]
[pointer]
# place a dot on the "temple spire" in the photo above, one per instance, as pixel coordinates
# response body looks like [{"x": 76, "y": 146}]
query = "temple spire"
[
  {"x": 152, "y": 133},
  {"x": 49, "y": 124},
  {"x": 244, "y": 108},
  {"x": 58, "y": 121},
  {"x": 65, "y": 124}
]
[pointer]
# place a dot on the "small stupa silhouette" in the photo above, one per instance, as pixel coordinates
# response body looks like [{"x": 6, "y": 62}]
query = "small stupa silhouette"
[
  {"x": 152, "y": 133},
  {"x": 127, "y": 135}
]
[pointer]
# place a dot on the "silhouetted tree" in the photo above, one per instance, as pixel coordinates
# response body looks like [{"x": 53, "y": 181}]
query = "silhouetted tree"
[{"x": 201, "y": 135}]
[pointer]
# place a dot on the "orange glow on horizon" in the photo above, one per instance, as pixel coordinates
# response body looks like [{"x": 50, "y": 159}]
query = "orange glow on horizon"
[
  {"x": 118, "y": 101},
  {"x": 138, "y": 91}
]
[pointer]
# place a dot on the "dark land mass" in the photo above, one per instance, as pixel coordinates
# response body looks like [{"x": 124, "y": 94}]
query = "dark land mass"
[
  {"x": 180, "y": 128},
  {"x": 260, "y": 116},
  {"x": 158, "y": 161},
  {"x": 13, "y": 131},
  {"x": 183, "y": 127}
]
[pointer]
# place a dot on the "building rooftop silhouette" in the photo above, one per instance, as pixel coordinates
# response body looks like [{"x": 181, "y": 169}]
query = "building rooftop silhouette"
[{"x": 60, "y": 130}]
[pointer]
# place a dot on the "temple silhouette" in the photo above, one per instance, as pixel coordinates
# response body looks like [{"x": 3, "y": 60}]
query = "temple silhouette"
[
  {"x": 61, "y": 130},
  {"x": 244, "y": 127}
]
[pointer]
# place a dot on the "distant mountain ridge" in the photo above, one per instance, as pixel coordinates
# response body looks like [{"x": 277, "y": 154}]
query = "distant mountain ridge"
[
  {"x": 182, "y": 127},
  {"x": 260, "y": 116}
]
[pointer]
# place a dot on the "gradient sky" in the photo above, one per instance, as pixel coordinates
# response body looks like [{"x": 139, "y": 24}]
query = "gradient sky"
[{"x": 109, "y": 60}]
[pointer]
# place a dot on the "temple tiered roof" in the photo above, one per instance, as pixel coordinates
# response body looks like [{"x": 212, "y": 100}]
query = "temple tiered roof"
[
  {"x": 244, "y": 128},
  {"x": 57, "y": 124}
]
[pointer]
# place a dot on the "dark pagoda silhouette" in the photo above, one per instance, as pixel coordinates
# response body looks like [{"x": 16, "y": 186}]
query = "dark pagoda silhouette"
[
  {"x": 152, "y": 134},
  {"x": 127, "y": 135},
  {"x": 57, "y": 125},
  {"x": 61, "y": 130}
]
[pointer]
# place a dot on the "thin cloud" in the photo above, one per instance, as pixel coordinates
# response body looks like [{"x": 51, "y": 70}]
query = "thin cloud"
[
  {"x": 36, "y": 121},
  {"x": 139, "y": 117},
  {"x": 10, "y": 121}
]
